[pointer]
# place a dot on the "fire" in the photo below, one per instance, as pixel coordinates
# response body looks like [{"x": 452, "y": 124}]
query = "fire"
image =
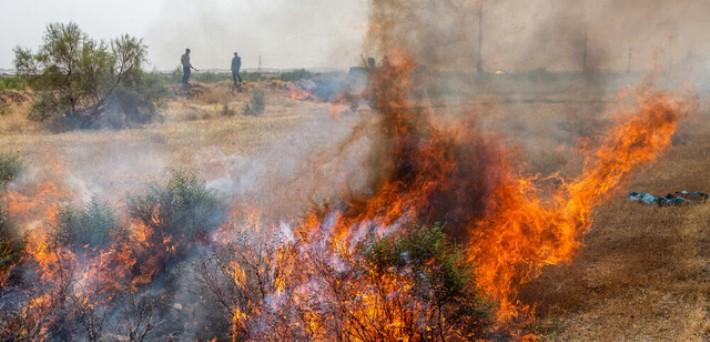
[
  {"x": 297, "y": 93},
  {"x": 522, "y": 233},
  {"x": 311, "y": 278},
  {"x": 83, "y": 279},
  {"x": 512, "y": 230}
]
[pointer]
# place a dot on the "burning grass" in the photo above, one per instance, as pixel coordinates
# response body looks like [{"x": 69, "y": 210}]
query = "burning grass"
[{"x": 373, "y": 265}]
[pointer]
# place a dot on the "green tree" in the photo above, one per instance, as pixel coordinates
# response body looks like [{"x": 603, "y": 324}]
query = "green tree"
[{"x": 74, "y": 75}]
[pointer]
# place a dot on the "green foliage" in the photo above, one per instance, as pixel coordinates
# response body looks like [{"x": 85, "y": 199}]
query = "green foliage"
[
  {"x": 439, "y": 271},
  {"x": 74, "y": 75},
  {"x": 183, "y": 208},
  {"x": 9, "y": 246},
  {"x": 428, "y": 251},
  {"x": 10, "y": 167},
  {"x": 256, "y": 104},
  {"x": 12, "y": 83},
  {"x": 295, "y": 75},
  {"x": 93, "y": 226},
  {"x": 210, "y": 77},
  {"x": 251, "y": 76},
  {"x": 154, "y": 86},
  {"x": 45, "y": 105}
]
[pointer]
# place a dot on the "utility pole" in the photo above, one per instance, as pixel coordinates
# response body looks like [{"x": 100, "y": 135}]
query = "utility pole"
[{"x": 479, "y": 63}]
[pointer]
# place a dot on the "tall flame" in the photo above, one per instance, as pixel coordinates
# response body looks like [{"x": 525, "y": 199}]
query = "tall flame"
[{"x": 522, "y": 233}]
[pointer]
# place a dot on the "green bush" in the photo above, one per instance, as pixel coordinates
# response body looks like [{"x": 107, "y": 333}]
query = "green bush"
[
  {"x": 10, "y": 167},
  {"x": 210, "y": 77},
  {"x": 251, "y": 76},
  {"x": 9, "y": 246},
  {"x": 295, "y": 75},
  {"x": 256, "y": 104},
  {"x": 439, "y": 271},
  {"x": 183, "y": 208},
  {"x": 93, "y": 226},
  {"x": 12, "y": 83}
]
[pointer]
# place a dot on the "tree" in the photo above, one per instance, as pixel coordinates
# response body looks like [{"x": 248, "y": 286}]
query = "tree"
[{"x": 74, "y": 75}]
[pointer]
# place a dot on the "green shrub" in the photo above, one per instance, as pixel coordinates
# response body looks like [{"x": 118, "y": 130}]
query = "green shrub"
[
  {"x": 251, "y": 76},
  {"x": 12, "y": 83},
  {"x": 295, "y": 75},
  {"x": 9, "y": 246},
  {"x": 256, "y": 104},
  {"x": 439, "y": 271},
  {"x": 183, "y": 208},
  {"x": 93, "y": 226},
  {"x": 154, "y": 86},
  {"x": 10, "y": 167},
  {"x": 210, "y": 77}
]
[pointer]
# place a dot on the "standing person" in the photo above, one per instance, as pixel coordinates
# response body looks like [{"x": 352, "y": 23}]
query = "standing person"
[
  {"x": 236, "y": 65},
  {"x": 186, "y": 67}
]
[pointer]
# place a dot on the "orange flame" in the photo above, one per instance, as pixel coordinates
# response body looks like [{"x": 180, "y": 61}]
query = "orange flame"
[
  {"x": 523, "y": 233},
  {"x": 297, "y": 93}
]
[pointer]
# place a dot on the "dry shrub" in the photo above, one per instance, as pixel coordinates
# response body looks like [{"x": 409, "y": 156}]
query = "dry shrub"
[
  {"x": 214, "y": 94},
  {"x": 256, "y": 104},
  {"x": 226, "y": 110}
]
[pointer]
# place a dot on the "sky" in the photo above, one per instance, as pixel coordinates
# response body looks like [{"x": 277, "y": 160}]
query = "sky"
[
  {"x": 285, "y": 33},
  {"x": 520, "y": 34}
]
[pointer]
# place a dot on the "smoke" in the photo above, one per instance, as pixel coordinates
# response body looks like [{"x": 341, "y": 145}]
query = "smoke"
[
  {"x": 411, "y": 158},
  {"x": 523, "y": 35}
]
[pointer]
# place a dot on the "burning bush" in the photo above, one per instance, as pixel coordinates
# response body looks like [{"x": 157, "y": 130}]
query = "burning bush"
[
  {"x": 92, "y": 226},
  {"x": 183, "y": 208},
  {"x": 9, "y": 247},
  {"x": 10, "y": 167},
  {"x": 272, "y": 283},
  {"x": 441, "y": 278}
]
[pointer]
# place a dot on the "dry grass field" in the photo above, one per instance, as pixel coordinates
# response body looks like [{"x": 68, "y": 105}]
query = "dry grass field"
[{"x": 643, "y": 274}]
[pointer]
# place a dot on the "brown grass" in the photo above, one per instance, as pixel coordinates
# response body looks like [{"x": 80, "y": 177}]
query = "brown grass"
[{"x": 644, "y": 273}]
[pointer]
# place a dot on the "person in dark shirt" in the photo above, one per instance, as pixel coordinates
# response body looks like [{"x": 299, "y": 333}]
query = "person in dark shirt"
[
  {"x": 186, "y": 67},
  {"x": 236, "y": 66}
]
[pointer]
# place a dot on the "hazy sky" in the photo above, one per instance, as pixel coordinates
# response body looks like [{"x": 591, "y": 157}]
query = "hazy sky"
[
  {"x": 286, "y": 33},
  {"x": 520, "y": 34}
]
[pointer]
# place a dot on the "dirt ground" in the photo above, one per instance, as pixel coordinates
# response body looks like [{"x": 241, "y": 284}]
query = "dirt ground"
[{"x": 643, "y": 274}]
